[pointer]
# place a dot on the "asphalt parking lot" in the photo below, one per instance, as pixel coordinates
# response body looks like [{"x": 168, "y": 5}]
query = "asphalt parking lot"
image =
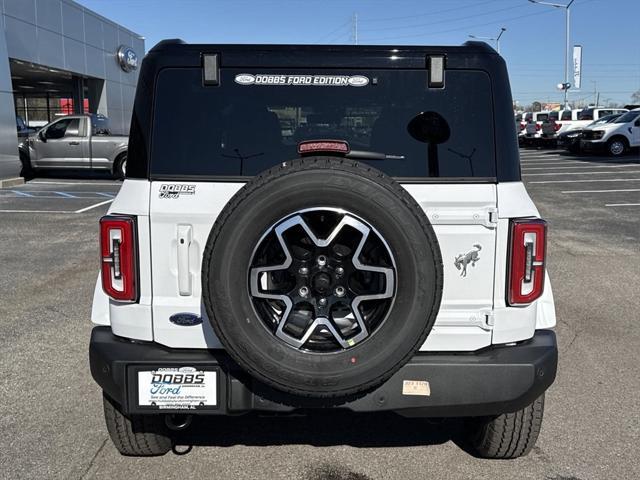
[{"x": 51, "y": 410}]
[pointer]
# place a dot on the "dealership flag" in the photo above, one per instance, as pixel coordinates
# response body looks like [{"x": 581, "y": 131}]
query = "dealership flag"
[{"x": 577, "y": 65}]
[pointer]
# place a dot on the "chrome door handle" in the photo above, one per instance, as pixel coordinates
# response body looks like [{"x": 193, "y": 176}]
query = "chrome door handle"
[{"x": 74, "y": 143}]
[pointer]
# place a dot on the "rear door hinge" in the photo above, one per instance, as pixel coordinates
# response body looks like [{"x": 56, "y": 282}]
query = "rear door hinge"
[{"x": 489, "y": 319}]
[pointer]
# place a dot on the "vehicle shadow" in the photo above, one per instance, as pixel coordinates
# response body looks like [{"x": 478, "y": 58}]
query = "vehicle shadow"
[{"x": 330, "y": 428}]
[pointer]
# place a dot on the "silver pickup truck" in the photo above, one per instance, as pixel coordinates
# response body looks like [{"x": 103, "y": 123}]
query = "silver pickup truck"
[{"x": 75, "y": 142}]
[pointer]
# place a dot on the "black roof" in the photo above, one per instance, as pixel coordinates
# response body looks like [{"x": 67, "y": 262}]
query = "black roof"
[{"x": 469, "y": 55}]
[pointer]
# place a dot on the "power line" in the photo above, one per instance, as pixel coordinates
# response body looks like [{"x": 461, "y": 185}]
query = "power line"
[
  {"x": 437, "y": 12},
  {"x": 327, "y": 35},
  {"x": 468, "y": 27},
  {"x": 446, "y": 20}
]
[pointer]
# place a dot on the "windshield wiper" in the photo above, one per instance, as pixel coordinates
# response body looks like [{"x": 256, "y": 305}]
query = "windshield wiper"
[{"x": 366, "y": 155}]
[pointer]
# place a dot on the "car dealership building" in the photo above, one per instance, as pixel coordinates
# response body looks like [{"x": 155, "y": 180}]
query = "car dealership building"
[{"x": 58, "y": 57}]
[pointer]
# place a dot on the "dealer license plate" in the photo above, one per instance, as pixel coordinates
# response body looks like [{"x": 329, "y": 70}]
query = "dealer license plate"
[{"x": 179, "y": 388}]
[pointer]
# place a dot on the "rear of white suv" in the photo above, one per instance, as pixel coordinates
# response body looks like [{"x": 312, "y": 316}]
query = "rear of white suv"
[{"x": 322, "y": 237}]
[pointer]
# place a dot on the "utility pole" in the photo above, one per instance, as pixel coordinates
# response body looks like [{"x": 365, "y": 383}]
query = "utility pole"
[
  {"x": 354, "y": 28},
  {"x": 492, "y": 39},
  {"x": 565, "y": 85}
]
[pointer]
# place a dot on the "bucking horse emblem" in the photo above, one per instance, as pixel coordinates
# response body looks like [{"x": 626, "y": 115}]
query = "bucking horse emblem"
[{"x": 464, "y": 259}]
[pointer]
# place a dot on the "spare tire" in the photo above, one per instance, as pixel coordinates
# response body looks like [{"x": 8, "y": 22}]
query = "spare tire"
[{"x": 322, "y": 277}]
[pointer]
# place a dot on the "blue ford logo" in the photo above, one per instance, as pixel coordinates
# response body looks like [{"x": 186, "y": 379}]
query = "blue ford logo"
[
  {"x": 127, "y": 58},
  {"x": 185, "y": 319}
]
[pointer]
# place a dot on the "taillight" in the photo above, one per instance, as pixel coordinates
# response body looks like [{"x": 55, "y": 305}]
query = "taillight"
[
  {"x": 522, "y": 126},
  {"x": 557, "y": 126},
  {"x": 323, "y": 146},
  {"x": 527, "y": 257},
  {"x": 538, "y": 127},
  {"x": 118, "y": 257}
]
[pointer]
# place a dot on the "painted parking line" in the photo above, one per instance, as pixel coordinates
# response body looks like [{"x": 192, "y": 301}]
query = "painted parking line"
[
  {"x": 603, "y": 191},
  {"x": 622, "y": 205},
  {"x": 91, "y": 207},
  {"x": 37, "y": 211},
  {"x": 577, "y": 173},
  {"x": 584, "y": 180},
  {"x": 21, "y": 193},
  {"x": 576, "y": 167},
  {"x": 65, "y": 194},
  {"x": 105, "y": 194},
  {"x": 42, "y": 182}
]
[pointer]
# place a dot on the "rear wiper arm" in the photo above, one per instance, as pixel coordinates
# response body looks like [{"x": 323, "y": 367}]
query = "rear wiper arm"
[{"x": 366, "y": 155}]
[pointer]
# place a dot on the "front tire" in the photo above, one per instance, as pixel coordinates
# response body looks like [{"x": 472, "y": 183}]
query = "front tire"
[
  {"x": 510, "y": 435},
  {"x": 136, "y": 435},
  {"x": 616, "y": 147},
  {"x": 27, "y": 171},
  {"x": 120, "y": 168}
]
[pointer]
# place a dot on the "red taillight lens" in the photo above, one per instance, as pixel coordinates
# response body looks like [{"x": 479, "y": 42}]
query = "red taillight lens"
[
  {"x": 558, "y": 126},
  {"x": 522, "y": 125},
  {"x": 118, "y": 257},
  {"x": 527, "y": 257},
  {"x": 537, "y": 127}
]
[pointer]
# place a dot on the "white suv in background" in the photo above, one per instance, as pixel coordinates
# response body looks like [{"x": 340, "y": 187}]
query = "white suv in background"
[{"x": 616, "y": 138}]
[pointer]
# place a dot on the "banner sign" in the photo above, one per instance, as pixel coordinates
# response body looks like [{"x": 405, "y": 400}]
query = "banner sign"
[{"x": 577, "y": 66}]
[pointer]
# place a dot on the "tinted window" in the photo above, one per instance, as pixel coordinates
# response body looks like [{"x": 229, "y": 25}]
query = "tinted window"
[
  {"x": 68, "y": 127},
  {"x": 566, "y": 115},
  {"x": 586, "y": 114},
  {"x": 554, "y": 116},
  {"x": 542, "y": 117},
  {"x": 242, "y": 129},
  {"x": 627, "y": 117}
]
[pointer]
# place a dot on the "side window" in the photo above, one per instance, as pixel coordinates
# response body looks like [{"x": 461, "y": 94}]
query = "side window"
[
  {"x": 604, "y": 113},
  {"x": 58, "y": 129},
  {"x": 566, "y": 115},
  {"x": 73, "y": 129}
]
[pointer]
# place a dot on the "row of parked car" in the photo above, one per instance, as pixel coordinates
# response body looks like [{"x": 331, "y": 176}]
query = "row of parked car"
[{"x": 600, "y": 130}]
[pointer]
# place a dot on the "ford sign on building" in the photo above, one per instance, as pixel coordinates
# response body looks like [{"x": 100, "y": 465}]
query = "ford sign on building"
[{"x": 58, "y": 58}]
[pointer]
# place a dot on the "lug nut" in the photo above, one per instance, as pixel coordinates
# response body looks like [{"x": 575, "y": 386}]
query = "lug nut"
[
  {"x": 340, "y": 291},
  {"x": 322, "y": 302},
  {"x": 339, "y": 271},
  {"x": 303, "y": 271},
  {"x": 322, "y": 260},
  {"x": 304, "y": 291}
]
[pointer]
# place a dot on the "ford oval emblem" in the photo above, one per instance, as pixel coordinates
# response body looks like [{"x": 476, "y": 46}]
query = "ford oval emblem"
[
  {"x": 185, "y": 319},
  {"x": 358, "y": 81},
  {"x": 127, "y": 58},
  {"x": 245, "y": 79}
]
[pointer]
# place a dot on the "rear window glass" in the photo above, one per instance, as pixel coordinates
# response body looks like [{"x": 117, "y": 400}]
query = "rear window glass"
[
  {"x": 566, "y": 115},
  {"x": 243, "y": 125},
  {"x": 554, "y": 115},
  {"x": 542, "y": 117},
  {"x": 586, "y": 114}
]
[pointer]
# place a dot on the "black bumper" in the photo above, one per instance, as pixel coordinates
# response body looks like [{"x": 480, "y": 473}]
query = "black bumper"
[{"x": 493, "y": 381}]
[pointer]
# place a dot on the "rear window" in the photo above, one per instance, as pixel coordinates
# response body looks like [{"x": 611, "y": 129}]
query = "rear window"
[
  {"x": 542, "y": 117},
  {"x": 251, "y": 122},
  {"x": 566, "y": 115},
  {"x": 586, "y": 114},
  {"x": 554, "y": 116}
]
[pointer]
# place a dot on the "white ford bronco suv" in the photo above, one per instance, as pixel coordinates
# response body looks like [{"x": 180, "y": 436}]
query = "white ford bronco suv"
[{"x": 313, "y": 227}]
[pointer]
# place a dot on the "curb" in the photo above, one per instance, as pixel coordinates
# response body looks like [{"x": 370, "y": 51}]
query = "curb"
[{"x": 11, "y": 182}]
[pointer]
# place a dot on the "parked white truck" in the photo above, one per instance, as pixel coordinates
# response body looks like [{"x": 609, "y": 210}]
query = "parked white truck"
[{"x": 615, "y": 138}]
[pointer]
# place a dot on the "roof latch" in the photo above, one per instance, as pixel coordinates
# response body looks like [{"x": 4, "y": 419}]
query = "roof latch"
[
  {"x": 210, "y": 69},
  {"x": 435, "y": 65}
]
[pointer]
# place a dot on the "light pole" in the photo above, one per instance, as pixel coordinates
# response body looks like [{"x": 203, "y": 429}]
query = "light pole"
[
  {"x": 565, "y": 85},
  {"x": 496, "y": 39}
]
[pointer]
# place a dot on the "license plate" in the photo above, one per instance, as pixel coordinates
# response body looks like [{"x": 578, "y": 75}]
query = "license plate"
[{"x": 178, "y": 388}]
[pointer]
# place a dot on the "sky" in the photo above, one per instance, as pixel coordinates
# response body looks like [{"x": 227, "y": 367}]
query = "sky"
[{"x": 533, "y": 44}]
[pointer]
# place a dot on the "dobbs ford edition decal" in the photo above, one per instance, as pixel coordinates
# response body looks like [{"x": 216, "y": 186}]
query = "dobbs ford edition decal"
[{"x": 302, "y": 80}]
